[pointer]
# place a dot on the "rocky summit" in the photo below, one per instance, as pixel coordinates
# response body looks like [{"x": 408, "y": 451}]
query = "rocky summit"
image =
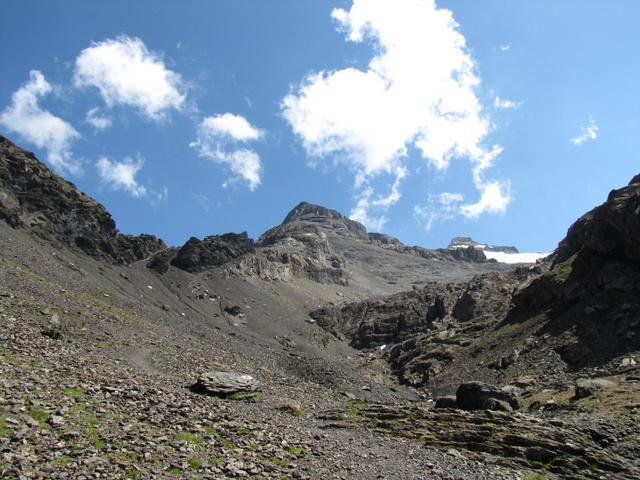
[{"x": 317, "y": 351}]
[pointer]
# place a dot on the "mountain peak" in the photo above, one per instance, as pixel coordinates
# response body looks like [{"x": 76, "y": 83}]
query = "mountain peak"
[{"x": 326, "y": 217}]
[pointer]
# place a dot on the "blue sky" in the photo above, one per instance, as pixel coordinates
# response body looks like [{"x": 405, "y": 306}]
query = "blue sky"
[{"x": 499, "y": 120}]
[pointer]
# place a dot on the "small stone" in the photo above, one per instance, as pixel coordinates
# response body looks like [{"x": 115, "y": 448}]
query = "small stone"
[{"x": 56, "y": 421}]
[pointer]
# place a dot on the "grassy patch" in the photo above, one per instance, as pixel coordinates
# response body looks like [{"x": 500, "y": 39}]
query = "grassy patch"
[
  {"x": 105, "y": 307},
  {"x": 190, "y": 438},
  {"x": 211, "y": 431},
  {"x": 94, "y": 438},
  {"x": 4, "y": 430},
  {"x": 39, "y": 415},
  {"x": 74, "y": 392},
  {"x": 217, "y": 461},
  {"x": 280, "y": 462},
  {"x": 247, "y": 396},
  {"x": 354, "y": 407},
  {"x": 317, "y": 336},
  {"x": 295, "y": 410},
  {"x": 563, "y": 271},
  {"x": 63, "y": 461},
  {"x": 534, "y": 476},
  {"x": 132, "y": 473},
  {"x": 228, "y": 444},
  {"x": 296, "y": 451},
  {"x": 173, "y": 470},
  {"x": 194, "y": 463}
]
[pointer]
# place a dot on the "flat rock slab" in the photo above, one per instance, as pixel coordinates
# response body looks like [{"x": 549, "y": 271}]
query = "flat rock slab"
[{"x": 225, "y": 383}]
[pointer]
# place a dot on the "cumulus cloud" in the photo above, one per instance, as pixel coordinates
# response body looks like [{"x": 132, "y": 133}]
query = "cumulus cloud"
[
  {"x": 125, "y": 72},
  {"x": 417, "y": 91},
  {"x": 590, "y": 132},
  {"x": 25, "y": 117},
  {"x": 122, "y": 175},
  {"x": 505, "y": 104},
  {"x": 96, "y": 120},
  {"x": 220, "y": 138}
]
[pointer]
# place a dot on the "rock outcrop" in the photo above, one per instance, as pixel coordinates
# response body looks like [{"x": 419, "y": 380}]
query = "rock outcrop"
[
  {"x": 33, "y": 197},
  {"x": 212, "y": 251},
  {"x": 591, "y": 294}
]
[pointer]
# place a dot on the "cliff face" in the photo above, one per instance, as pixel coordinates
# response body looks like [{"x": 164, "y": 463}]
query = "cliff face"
[
  {"x": 592, "y": 292},
  {"x": 32, "y": 197}
]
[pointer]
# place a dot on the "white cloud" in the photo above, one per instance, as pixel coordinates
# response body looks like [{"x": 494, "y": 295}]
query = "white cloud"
[
  {"x": 218, "y": 139},
  {"x": 96, "y": 120},
  {"x": 590, "y": 132},
  {"x": 418, "y": 90},
  {"x": 494, "y": 199},
  {"x": 505, "y": 48},
  {"x": 26, "y": 118},
  {"x": 440, "y": 207},
  {"x": 122, "y": 175},
  {"x": 126, "y": 72},
  {"x": 235, "y": 127},
  {"x": 505, "y": 104},
  {"x": 367, "y": 200}
]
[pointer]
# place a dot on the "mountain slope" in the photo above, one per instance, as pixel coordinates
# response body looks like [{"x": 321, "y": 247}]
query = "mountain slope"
[{"x": 101, "y": 336}]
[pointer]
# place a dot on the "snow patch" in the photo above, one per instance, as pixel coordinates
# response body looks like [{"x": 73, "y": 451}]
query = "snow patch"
[{"x": 514, "y": 257}]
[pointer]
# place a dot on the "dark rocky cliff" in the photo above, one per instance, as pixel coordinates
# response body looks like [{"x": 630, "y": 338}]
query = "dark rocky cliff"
[{"x": 32, "y": 197}]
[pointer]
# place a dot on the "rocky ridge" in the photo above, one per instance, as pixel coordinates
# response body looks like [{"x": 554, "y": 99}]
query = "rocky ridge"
[{"x": 34, "y": 198}]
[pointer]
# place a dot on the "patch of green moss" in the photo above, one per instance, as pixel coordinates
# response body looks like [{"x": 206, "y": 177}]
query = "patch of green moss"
[
  {"x": 39, "y": 415},
  {"x": 190, "y": 438}
]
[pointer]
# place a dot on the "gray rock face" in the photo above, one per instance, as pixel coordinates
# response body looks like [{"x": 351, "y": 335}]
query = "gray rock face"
[
  {"x": 35, "y": 198},
  {"x": 225, "y": 383},
  {"x": 458, "y": 242},
  {"x": 483, "y": 396},
  {"x": 213, "y": 251}
]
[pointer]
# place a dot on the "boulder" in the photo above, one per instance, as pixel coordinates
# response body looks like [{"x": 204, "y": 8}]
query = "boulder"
[
  {"x": 465, "y": 308},
  {"x": 482, "y": 396},
  {"x": 225, "y": 383},
  {"x": 586, "y": 387},
  {"x": 447, "y": 401}
]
